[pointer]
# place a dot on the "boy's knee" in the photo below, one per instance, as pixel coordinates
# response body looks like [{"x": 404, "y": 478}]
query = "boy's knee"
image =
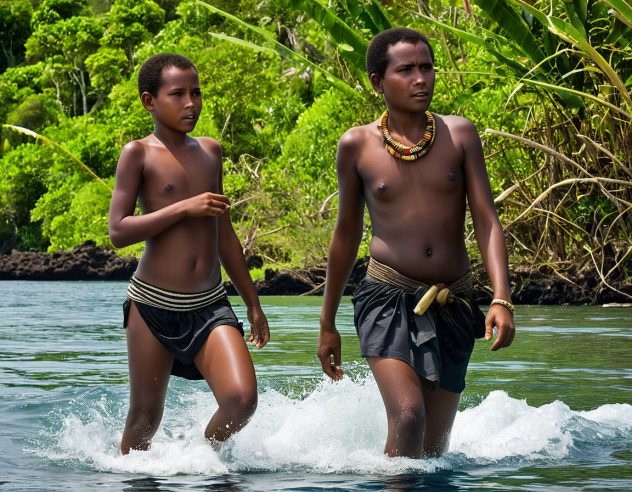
[
  {"x": 144, "y": 419},
  {"x": 243, "y": 403}
]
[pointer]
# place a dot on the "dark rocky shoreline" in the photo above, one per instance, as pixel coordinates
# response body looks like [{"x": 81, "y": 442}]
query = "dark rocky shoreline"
[{"x": 91, "y": 262}]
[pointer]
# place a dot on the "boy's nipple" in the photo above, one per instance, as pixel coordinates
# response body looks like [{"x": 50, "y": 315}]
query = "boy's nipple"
[{"x": 169, "y": 187}]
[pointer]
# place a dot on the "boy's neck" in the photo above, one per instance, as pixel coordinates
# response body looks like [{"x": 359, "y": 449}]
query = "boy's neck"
[{"x": 170, "y": 138}]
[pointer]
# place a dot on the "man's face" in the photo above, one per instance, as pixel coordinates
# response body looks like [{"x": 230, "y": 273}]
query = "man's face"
[
  {"x": 179, "y": 100},
  {"x": 408, "y": 82}
]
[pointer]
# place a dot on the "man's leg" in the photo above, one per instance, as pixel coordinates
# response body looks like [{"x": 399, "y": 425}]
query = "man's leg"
[
  {"x": 441, "y": 407},
  {"x": 225, "y": 363},
  {"x": 403, "y": 397},
  {"x": 149, "y": 370}
]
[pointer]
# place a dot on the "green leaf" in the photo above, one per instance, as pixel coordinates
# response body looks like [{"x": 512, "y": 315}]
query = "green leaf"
[
  {"x": 339, "y": 30},
  {"x": 280, "y": 48},
  {"x": 514, "y": 26},
  {"x": 623, "y": 8},
  {"x": 568, "y": 33}
]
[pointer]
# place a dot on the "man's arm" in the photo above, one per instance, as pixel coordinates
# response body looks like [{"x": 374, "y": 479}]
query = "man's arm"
[
  {"x": 342, "y": 250},
  {"x": 489, "y": 233},
  {"x": 126, "y": 228},
  {"x": 232, "y": 258}
]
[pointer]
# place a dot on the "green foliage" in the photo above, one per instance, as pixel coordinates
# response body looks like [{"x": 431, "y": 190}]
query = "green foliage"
[
  {"x": 36, "y": 112},
  {"x": 86, "y": 218},
  {"x": 23, "y": 172},
  {"x": 15, "y": 17},
  {"x": 283, "y": 79},
  {"x": 106, "y": 67}
]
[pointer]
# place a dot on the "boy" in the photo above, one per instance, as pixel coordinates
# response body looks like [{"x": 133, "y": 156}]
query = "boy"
[
  {"x": 417, "y": 343},
  {"x": 178, "y": 318}
]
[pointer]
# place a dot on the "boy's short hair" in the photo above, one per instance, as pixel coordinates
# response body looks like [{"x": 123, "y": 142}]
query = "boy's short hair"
[
  {"x": 376, "y": 54},
  {"x": 150, "y": 74}
]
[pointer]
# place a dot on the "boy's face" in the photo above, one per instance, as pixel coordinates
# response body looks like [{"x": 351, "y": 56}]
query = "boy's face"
[
  {"x": 408, "y": 82},
  {"x": 179, "y": 100}
]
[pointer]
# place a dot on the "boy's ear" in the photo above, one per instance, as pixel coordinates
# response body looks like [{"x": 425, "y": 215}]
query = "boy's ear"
[
  {"x": 376, "y": 82},
  {"x": 148, "y": 101}
]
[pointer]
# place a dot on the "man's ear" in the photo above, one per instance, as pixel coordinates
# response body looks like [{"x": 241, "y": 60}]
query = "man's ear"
[
  {"x": 376, "y": 82},
  {"x": 148, "y": 101}
]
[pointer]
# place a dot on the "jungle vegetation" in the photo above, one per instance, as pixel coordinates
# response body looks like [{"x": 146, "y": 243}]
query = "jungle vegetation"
[{"x": 546, "y": 82}]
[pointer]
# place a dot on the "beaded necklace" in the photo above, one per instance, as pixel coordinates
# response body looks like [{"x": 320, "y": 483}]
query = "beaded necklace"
[{"x": 402, "y": 151}]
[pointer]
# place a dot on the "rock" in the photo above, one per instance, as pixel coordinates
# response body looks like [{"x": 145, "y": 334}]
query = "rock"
[
  {"x": 91, "y": 262},
  {"x": 85, "y": 262}
]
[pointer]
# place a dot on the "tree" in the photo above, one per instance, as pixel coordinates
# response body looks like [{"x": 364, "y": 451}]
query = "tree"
[
  {"x": 129, "y": 23},
  {"x": 15, "y": 18}
]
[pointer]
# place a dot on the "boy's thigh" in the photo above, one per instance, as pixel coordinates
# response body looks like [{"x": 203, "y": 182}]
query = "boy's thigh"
[
  {"x": 225, "y": 362},
  {"x": 149, "y": 361}
]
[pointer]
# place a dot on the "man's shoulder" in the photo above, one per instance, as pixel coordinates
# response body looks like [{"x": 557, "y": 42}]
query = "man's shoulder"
[
  {"x": 456, "y": 123},
  {"x": 356, "y": 137}
]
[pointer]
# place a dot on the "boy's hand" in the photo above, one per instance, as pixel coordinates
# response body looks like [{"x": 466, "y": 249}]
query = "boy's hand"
[
  {"x": 503, "y": 320},
  {"x": 328, "y": 348},
  {"x": 207, "y": 204},
  {"x": 259, "y": 330}
]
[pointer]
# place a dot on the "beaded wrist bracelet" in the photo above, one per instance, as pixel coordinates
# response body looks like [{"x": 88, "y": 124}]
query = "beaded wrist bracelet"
[{"x": 504, "y": 303}]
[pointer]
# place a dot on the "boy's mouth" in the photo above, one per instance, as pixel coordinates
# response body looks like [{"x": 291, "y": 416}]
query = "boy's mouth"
[
  {"x": 421, "y": 94},
  {"x": 190, "y": 117}
]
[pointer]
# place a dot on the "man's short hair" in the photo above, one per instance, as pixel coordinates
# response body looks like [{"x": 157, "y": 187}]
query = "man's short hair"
[
  {"x": 376, "y": 54},
  {"x": 150, "y": 74}
]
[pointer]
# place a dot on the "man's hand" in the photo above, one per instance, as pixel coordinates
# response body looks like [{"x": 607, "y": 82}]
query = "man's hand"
[
  {"x": 259, "y": 330},
  {"x": 328, "y": 349},
  {"x": 207, "y": 205},
  {"x": 500, "y": 317}
]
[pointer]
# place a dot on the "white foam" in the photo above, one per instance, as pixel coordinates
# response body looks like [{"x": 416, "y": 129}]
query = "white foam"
[{"x": 336, "y": 428}]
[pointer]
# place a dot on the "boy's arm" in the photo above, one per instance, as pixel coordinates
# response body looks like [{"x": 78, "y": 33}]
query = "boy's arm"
[
  {"x": 232, "y": 258},
  {"x": 125, "y": 228},
  {"x": 489, "y": 234},
  {"x": 343, "y": 250}
]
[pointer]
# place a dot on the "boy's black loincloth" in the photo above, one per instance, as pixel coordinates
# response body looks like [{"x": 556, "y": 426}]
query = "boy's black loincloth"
[
  {"x": 437, "y": 345},
  {"x": 181, "y": 322}
]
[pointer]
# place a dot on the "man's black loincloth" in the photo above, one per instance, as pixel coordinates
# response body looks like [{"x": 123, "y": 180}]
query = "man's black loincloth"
[{"x": 437, "y": 344}]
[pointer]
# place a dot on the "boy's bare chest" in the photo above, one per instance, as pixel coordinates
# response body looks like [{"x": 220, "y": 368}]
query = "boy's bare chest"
[{"x": 174, "y": 178}]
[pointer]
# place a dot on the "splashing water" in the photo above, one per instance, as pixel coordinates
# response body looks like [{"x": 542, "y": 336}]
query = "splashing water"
[{"x": 334, "y": 428}]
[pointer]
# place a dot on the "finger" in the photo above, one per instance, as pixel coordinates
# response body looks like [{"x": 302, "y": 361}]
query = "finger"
[
  {"x": 489, "y": 330},
  {"x": 265, "y": 335},
  {"x": 328, "y": 368},
  {"x": 501, "y": 339}
]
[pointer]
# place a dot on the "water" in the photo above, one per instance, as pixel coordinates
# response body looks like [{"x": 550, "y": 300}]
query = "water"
[{"x": 554, "y": 411}]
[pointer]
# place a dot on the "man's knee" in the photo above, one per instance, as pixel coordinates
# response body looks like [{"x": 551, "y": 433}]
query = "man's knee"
[{"x": 410, "y": 416}]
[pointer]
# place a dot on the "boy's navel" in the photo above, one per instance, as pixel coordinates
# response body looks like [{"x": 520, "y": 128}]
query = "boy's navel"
[
  {"x": 381, "y": 187},
  {"x": 451, "y": 176}
]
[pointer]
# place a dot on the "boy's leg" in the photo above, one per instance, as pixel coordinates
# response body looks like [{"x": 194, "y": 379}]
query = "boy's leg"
[
  {"x": 225, "y": 363},
  {"x": 403, "y": 397},
  {"x": 149, "y": 370},
  {"x": 441, "y": 407}
]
